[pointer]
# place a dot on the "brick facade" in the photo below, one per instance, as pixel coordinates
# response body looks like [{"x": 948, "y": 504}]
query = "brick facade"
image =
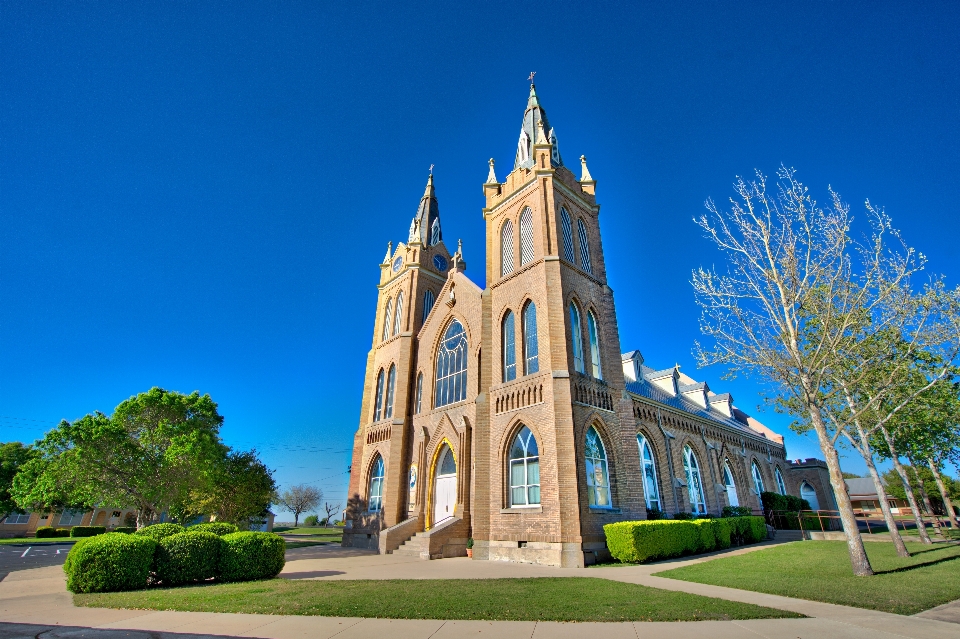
[{"x": 557, "y": 403}]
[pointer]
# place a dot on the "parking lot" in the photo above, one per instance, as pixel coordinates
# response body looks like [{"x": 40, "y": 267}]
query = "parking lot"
[{"x": 27, "y": 555}]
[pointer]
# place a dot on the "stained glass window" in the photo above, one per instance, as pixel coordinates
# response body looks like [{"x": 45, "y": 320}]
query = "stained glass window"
[
  {"x": 584, "y": 247},
  {"x": 531, "y": 350},
  {"x": 391, "y": 384},
  {"x": 757, "y": 479},
  {"x": 781, "y": 487},
  {"x": 451, "y": 383},
  {"x": 524, "y": 470},
  {"x": 378, "y": 402},
  {"x": 598, "y": 477},
  {"x": 428, "y": 299},
  {"x": 567, "y": 235},
  {"x": 576, "y": 338},
  {"x": 594, "y": 345},
  {"x": 694, "y": 483},
  {"x": 509, "y": 347},
  {"x": 375, "y": 498},
  {"x": 651, "y": 488}
]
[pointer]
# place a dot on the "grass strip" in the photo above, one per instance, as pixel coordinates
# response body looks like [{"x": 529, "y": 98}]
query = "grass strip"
[
  {"x": 820, "y": 571},
  {"x": 530, "y": 599},
  {"x": 33, "y": 541}
]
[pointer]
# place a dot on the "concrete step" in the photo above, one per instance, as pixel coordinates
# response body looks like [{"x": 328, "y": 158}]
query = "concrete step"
[{"x": 788, "y": 535}]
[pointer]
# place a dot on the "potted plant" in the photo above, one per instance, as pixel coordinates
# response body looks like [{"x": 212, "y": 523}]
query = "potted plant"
[{"x": 470, "y": 547}]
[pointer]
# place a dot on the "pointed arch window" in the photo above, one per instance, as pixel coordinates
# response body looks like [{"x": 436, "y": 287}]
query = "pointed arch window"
[
  {"x": 694, "y": 482},
  {"x": 594, "y": 345},
  {"x": 391, "y": 384},
  {"x": 509, "y": 347},
  {"x": 781, "y": 487},
  {"x": 428, "y": 299},
  {"x": 584, "y": 247},
  {"x": 576, "y": 338},
  {"x": 598, "y": 476},
  {"x": 375, "y": 492},
  {"x": 531, "y": 350},
  {"x": 730, "y": 485},
  {"x": 435, "y": 231},
  {"x": 567, "y": 235},
  {"x": 526, "y": 236},
  {"x": 506, "y": 248},
  {"x": 651, "y": 489},
  {"x": 451, "y": 383},
  {"x": 398, "y": 314},
  {"x": 757, "y": 479},
  {"x": 378, "y": 400},
  {"x": 387, "y": 320},
  {"x": 524, "y": 470},
  {"x": 523, "y": 147},
  {"x": 807, "y": 492},
  {"x": 419, "y": 392}
]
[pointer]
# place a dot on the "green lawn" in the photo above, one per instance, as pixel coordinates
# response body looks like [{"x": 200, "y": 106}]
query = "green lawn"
[
  {"x": 306, "y": 544},
  {"x": 820, "y": 571},
  {"x": 33, "y": 541},
  {"x": 554, "y": 599}
]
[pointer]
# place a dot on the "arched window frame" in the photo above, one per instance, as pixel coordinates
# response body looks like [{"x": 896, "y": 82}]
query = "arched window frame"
[
  {"x": 506, "y": 249},
  {"x": 375, "y": 485},
  {"x": 593, "y": 333},
  {"x": 428, "y": 299},
  {"x": 576, "y": 338},
  {"x": 815, "y": 504},
  {"x": 391, "y": 384},
  {"x": 781, "y": 485},
  {"x": 509, "y": 347},
  {"x": 531, "y": 347},
  {"x": 598, "y": 472},
  {"x": 398, "y": 314},
  {"x": 527, "y": 252},
  {"x": 648, "y": 468},
  {"x": 567, "y": 230},
  {"x": 419, "y": 393},
  {"x": 757, "y": 479},
  {"x": 726, "y": 475},
  {"x": 523, "y": 470},
  {"x": 387, "y": 319},
  {"x": 435, "y": 232},
  {"x": 451, "y": 371},
  {"x": 378, "y": 398},
  {"x": 691, "y": 467},
  {"x": 584, "y": 247}
]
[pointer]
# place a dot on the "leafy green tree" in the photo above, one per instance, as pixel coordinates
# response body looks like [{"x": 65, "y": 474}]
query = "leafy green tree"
[
  {"x": 238, "y": 487},
  {"x": 13, "y": 456},
  {"x": 148, "y": 455}
]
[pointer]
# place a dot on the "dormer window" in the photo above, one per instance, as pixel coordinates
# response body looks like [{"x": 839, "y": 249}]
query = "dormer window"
[{"x": 435, "y": 232}]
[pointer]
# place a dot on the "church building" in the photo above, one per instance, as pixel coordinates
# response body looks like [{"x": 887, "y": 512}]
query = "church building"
[{"x": 510, "y": 415}]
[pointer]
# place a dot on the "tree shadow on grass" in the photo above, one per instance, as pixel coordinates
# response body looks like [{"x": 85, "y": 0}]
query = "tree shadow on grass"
[
  {"x": 936, "y": 546},
  {"x": 915, "y": 566}
]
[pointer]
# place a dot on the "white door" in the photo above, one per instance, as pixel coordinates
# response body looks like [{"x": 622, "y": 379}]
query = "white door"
[{"x": 446, "y": 498}]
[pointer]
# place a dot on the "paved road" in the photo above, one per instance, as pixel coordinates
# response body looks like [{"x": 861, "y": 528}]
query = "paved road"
[
  {"x": 35, "y": 631},
  {"x": 27, "y": 555}
]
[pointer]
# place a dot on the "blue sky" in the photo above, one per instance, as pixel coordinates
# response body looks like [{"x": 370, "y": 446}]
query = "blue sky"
[{"x": 198, "y": 195}]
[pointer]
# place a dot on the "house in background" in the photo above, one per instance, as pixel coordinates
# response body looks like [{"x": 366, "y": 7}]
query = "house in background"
[{"x": 865, "y": 500}]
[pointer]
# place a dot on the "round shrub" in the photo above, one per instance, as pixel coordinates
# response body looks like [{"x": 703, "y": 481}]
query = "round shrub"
[
  {"x": 46, "y": 531},
  {"x": 125, "y": 529},
  {"x": 187, "y": 557},
  {"x": 219, "y": 528},
  {"x": 251, "y": 555},
  {"x": 87, "y": 531},
  {"x": 159, "y": 531},
  {"x": 109, "y": 562}
]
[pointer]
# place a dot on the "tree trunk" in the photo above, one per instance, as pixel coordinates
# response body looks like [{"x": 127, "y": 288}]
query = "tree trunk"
[
  {"x": 911, "y": 498},
  {"x": 926, "y": 499},
  {"x": 885, "y": 505},
  {"x": 296, "y": 519},
  {"x": 947, "y": 504},
  {"x": 858, "y": 554}
]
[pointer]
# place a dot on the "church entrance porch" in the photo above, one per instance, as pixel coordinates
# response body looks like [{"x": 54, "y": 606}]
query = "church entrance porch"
[{"x": 444, "y": 487}]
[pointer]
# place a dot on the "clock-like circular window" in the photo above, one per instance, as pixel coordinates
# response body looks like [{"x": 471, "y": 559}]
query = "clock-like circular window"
[
  {"x": 440, "y": 262},
  {"x": 397, "y": 263}
]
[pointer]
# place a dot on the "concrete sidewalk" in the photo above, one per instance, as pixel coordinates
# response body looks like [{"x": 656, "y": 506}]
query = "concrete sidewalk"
[{"x": 36, "y": 600}]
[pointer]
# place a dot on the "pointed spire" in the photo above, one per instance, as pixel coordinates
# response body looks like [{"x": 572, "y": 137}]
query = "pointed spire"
[
  {"x": 386, "y": 258},
  {"x": 535, "y": 129},
  {"x": 585, "y": 176},
  {"x": 425, "y": 228},
  {"x": 492, "y": 176}
]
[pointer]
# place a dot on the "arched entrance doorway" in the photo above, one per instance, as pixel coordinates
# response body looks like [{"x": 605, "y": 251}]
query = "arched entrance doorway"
[
  {"x": 807, "y": 492},
  {"x": 444, "y": 486}
]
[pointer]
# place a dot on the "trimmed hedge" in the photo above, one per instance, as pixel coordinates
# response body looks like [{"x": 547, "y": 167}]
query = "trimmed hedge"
[
  {"x": 638, "y": 541},
  {"x": 776, "y": 501},
  {"x": 125, "y": 529},
  {"x": 159, "y": 531},
  {"x": 109, "y": 562},
  {"x": 187, "y": 557},
  {"x": 46, "y": 532},
  {"x": 251, "y": 555},
  {"x": 87, "y": 531},
  {"x": 219, "y": 528}
]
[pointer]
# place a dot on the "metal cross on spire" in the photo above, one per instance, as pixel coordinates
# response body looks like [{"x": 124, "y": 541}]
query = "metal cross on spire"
[
  {"x": 532, "y": 73},
  {"x": 431, "y": 169}
]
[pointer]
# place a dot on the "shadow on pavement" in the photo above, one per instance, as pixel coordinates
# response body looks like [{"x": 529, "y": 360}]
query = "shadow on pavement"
[
  {"x": 34, "y": 631},
  {"x": 311, "y": 574}
]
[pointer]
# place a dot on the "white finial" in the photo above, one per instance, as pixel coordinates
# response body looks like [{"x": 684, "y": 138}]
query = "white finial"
[
  {"x": 585, "y": 177},
  {"x": 386, "y": 258},
  {"x": 491, "y": 177},
  {"x": 541, "y": 135}
]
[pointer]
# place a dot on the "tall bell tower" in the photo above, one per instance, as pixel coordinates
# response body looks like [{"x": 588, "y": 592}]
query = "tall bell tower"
[{"x": 544, "y": 249}]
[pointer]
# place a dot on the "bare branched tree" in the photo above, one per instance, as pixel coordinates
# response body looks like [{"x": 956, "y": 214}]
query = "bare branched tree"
[
  {"x": 331, "y": 509},
  {"x": 299, "y": 499},
  {"x": 797, "y": 302}
]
